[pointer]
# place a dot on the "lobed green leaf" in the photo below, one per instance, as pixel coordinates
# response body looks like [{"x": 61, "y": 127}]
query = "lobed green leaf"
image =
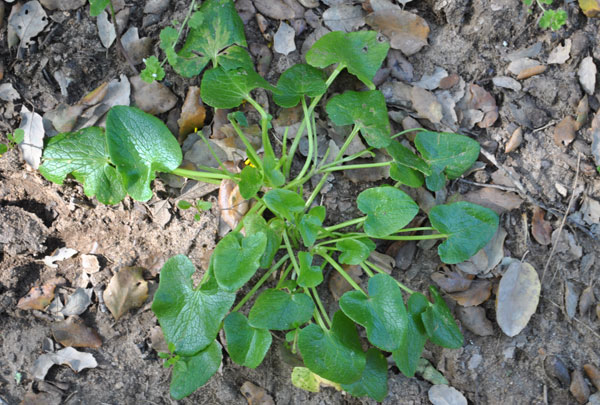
[
  {"x": 354, "y": 251},
  {"x": 374, "y": 380},
  {"x": 388, "y": 210},
  {"x": 246, "y": 345},
  {"x": 236, "y": 258},
  {"x": 222, "y": 88},
  {"x": 190, "y": 373},
  {"x": 413, "y": 341},
  {"x": 310, "y": 276},
  {"x": 285, "y": 203},
  {"x": 440, "y": 325},
  {"x": 254, "y": 224},
  {"x": 448, "y": 152},
  {"x": 279, "y": 310},
  {"x": 298, "y": 81}
]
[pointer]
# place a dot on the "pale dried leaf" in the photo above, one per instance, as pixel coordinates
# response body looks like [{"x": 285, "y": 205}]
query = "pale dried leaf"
[
  {"x": 153, "y": 98},
  {"x": 338, "y": 284},
  {"x": 33, "y": 143},
  {"x": 583, "y": 109},
  {"x": 278, "y": 9},
  {"x": 344, "y": 17},
  {"x": 507, "y": 83},
  {"x": 232, "y": 205},
  {"x": 432, "y": 81},
  {"x": 474, "y": 319},
  {"x": 28, "y": 21},
  {"x": 515, "y": 140},
  {"x": 452, "y": 281},
  {"x": 587, "y": 75},
  {"x": 595, "y": 134},
  {"x": 63, "y": 5},
  {"x": 586, "y": 301},
  {"x": 90, "y": 264},
  {"x": 497, "y": 200},
  {"x": 67, "y": 356},
  {"x": 8, "y": 92},
  {"x": 78, "y": 302},
  {"x": 446, "y": 395},
  {"x": 518, "y": 65},
  {"x": 590, "y": 210},
  {"x": 426, "y": 104},
  {"x": 126, "y": 290},
  {"x": 560, "y": 54},
  {"x": 73, "y": 332},
  {"x": 407, "y": 31},
  {"x": 59, "y": 255},
  {"x": 106, "y": 30},
  {"x": 283, "y": 41},
  {"x": 571, "y": 299},
  {"x": 478, "y": 293}
]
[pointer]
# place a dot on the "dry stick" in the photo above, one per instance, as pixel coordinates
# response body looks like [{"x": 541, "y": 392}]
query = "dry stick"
[
  {"x": 575, "y": 318},
  {"x": 564, "y": 218}
]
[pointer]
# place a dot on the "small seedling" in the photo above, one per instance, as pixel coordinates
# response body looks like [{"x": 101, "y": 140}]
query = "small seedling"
[
  {"x": 553, "y": 19},
  {"x": 13, "y": 140},
  {"x": 283, "y": 232},
  {"x": 199, "y": 206}
]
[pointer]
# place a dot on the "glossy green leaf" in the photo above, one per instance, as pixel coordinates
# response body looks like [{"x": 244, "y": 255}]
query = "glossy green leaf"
[
  {"x": 254, "y": 223},
  {"x": 298, "y": 81},
  {"x": 190, "y": 373},
  {"x": 319, "y": 212},
  {"x": 413, "y": 341},
  {"x": 360, "y": 52},
  {"x": 98, "y": 6},
  {"x": 469, "y": 228},
  {"x": 140, "y": 144},
  {"x": 382, "y": 313},
  {"x": 279, "y": 310},
  {"x": 152, "y": 70},
  {"x": 452, "y": 153},
  {"x": 236, "y": 258},
  {"x": 246, "y": 345},
  {"x": 374, "y": 380},
  {"x": 273, "y": 175},
  {"x": 354, "y": 251},
  {"x": 250, "y": 182},
  {"x": 235, "y": 57},
  {"x": 309, "y": 227},
  {"x": 406, "y": 175},
  {"x": 310, "y": 276},
  {"x": 388, "y": 210},
  {"x": 334, "y": 354},
  {"x": 439, "y": 323},
  {"x": 222, "y": 88},
  {"x": 285, "y": 203},
  {"x": 4, "y": 149},
  {"x": 405, "y": 157},
  {"x": 436, "y": 181},
  {"x": 190, "y": 318},
  {"x": 368, "y": 110},
  {"x": 84, "y": 155}
]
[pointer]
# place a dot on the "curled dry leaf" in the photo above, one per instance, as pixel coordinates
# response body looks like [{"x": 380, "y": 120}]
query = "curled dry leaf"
[
  {"x": 452, "y": 281},
  {"x": 232, "y": 205},
  {"x": 256, "y": 395},
  {"x": 564, "y": 131},
  {"x": 67, "y": 356},
  {"x": 126, "y": 290},
  {"x": 478, "y": 293},
  {"x": 586, "y": 301},
  {"x": 73, "y": 332},
  {"x": 517, "y": 298},
  {"x": 540, "y": 228},
  {"x": 39, "y": 297},
  {"x": 407, "y": 31},
  {"x": 515, "y": 140},
  {"x": 583, "y": 109},
  {"x": 593, "y": 374}
]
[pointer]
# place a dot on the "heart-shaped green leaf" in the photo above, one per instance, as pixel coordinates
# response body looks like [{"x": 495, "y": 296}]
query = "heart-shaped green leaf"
[
  {"x": 190, "y": 319},
  {"x": 388, "y": 210},
  {"x": 406, "y": 175},
  {"x": 439, "y": 323},
  {"x": 310, "y": 276},
  {"x": 222, "y": 88},
  {"x": 298, "y": 81},
  {"x": 452, "y": 153},
  {"x": 246, "y": 345},
  {"x": 374, "y": 380},
  {"x": 190, "y": 373},
  {"x": 84, "y": 155},
  {"x": 285, "y": 203},
  {"x": 98, "y": 6},
  {"x": 437, "y": 180},
  {"x": 360, "y": 52},
  {"x": 368, "y": 110},
  {"x": 254, "y": 224},
  {"x": 334, "y": 354},
  {"x": 309, "y": 227},
  {"x": 354, "y": 251},
  {"x": 140, "y": 144},
  {"x": 413, "y": 341},
  {"x": 278, "y": 310},
  {"x": 382, "y": 313},
  {"x": 250, "y": 182},
  {"x": 469, "y": 228},
  {"x": 405, "y": 157},
  {"x": 236, "y": 258}
]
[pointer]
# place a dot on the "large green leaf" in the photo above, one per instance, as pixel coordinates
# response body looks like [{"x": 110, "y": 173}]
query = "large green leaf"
[
  {"x": 334, "y": 354},
  {"x": 360, "y": 52},
  {"x": 98, "y": 6},
  {"x": 354, "y": 251},
  {"x": 285, "y": 203},
  {"x": 190, "y": 318},
  {"x": 298, "y": 81},
  {"x": 222, "y": 88},
  {"x": 236, "y": 258},
  {"x": 310, "y": 276},
  {"x": 469, "y": 228},
  {"x": 140, "y": 144},
  {"x": 439, "y": 323},
  {"x": 190, "y": 373},
  {"x": 254, "y": 224},
  {"x": 246, "y": 345},
  {"x": 406, "y": 175},
  {"x": 278, "y": 310},
  {"x": 368, "y": 110},
  {"x": 388, "y": 210},
  {"x": 382, "y": 313},
  {"x": 413, "y": 341},
  {"x": 84, "y": 155},
  {"x": 405, "y": 157},
  {"x": 452, "y": 153},
  {"x": 374, "y": 380}
]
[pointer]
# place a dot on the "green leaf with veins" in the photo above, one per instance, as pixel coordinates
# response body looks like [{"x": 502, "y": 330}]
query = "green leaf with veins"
[
  {"x": 255, "y": 223},
  {"x": 246, "y": 345},
  {"x": 310, "y": 276},
  {"x": 190, "y": 373},
  {"x": 140, "y": 144},
  {"x": 279, "y": 310},
  {"x": 334, "y": 354},
  {"x": 388, "y": 210},
  {"x": 298, "y": 81},
  {"x": 309, "y": 227},
  {"x": 382, "y": 312},
  {"x": 368, "y": 110},
  {"x": 452, "y": 153},
  {"x": 17, "y": 137},
  {"x": 84, "y": 155},
  {"x": 354, "y": 251},
  {"x": 285, "y": 203},
  {"x": 360, "y": 52},
  {"x": 153, "y": 70},
  {"x": 235, "y": 57},
  {"x": 97, "y": 7},
  {"x": 413, "y": 341},
  {"x": 436, "y": 181},
  {"x": 222, "y": 88},
  {"x": 469, "y": 228},
  {"x": 439, "y": 323},
  {"x": 251, "y": 181},
  {"x": 374, "y": 380},
  {"x": 190, "y": 318},
  {"x": 406, "y": 157},
  {"x": 406, "y": 175},
  {"x": 236, "y": 258}
]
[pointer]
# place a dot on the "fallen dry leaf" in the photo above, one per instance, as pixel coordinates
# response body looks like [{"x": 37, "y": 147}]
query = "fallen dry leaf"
[
  {"x": 591, "y": 8},
  {"x": 137, "y": 48},
  {"x": 59, "y": 255},
  {"x": 531, "y": 71},
  {"x": 67, "y": 356},
  {"x": 153, "y": 98},
  {"x": 78, "y": 302},
  {"x": 583, "y": 109},
  {"x": 515, "y": 140},
  {"x": 90, "y": 264},
  {"x": 256, "y": 395},
  {"x": 106, "y": 29},
  {"x": 587, "y": 75},
  {"x": 497, "y": 200},
  {"x": 72, "y": 332},
  {"x": 518, "y": 65},
  {"x": 507, "y": 82},
  {"x": 564, "y": 131},
  {"x": 590, "y": 210},
  {"x": 232, "y": 205},
  {"x": 452, "y": 281},
  {"x": 478, "y": 293},
  {"x": 595, "y": 134},
  {"x": 426, "y": 104},
  {"x": 441, "y": 394},
  {"x": 587, "y": 300},
  {"x": 283, "y": 40},
  {"x": 517, "y": 298},
  {"x": 579, "y": 388},
  {"x": 63, "y": 5},
  {"x": 477, "y": 98},
  {"x": 278, "y": 9},
  {"x": 33, "y": 142},
  {"x": 343, "y": 17},
  {"x": 28, "y": 21},
  {"x": 560, "y": 54},
  {"x": 571, "y": 299},
  {"x": 126, "y": 290},
  {"x": 407, "y": 31},
  {"x": 488, "y": 257},
  {"x": 593, "y": 374},
  {"x": 38, "y": 297},
  {"x": 540, "y": 228},
  {"x": 383, "y": 261},
  {"x": 474, "y": 319},
  {"x": 338, "y": 284}
]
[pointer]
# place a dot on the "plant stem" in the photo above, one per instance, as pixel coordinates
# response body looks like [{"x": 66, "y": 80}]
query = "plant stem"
[
  {"x": 290, "y": 251},
  {"x": 284, "y": 275},
  {"x": 415, "y": 237},
  {"x": 259, "y": 283},
  {"x": 367, "y": 269},
  {"x": 194, "y": 174},
  {"x": 341, "y": 271},
  {"x": 359, "y": 166},
  {"x": 183, "y": 24},
  {"x": 252, "y": 154},
  {"x": 320, "y": 305},
  {"x": 351, "y": 222},
  {"x": 379, "y": 270},
  {"x": 406, "y": 131},
  {"x": 319, "y": 320}
]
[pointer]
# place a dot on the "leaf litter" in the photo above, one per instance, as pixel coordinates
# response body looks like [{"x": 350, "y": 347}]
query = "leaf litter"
[
  {"x": 126, "y": 290},
  {"x": 77, "y": 360}
]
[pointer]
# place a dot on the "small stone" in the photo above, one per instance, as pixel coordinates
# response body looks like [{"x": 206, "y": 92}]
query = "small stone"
[
  {"x": 562, "y": 190},
  {"x": 507, "y": 82},
  {"x": 579, "y": 387},
  {"x": 593, "y": 374},
  {"x": 587, "y": 75},
  {"x": 556, "y": 368},
  {"x": 445, "y": 395}
]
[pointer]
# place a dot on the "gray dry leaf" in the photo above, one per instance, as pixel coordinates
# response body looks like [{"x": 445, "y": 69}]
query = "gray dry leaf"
[
  {"x": 488, "y": 257},
  {"x": 153, "y": 98},
  {"x": 432, "y": 81},
  {"x": 446, "y": 395},
  {"x": 474, "y": 319},
  {"x": 67, "y": 356},
  {"x": 78, "y": 302},
  {"x": 497, "y": 200},
  {"x": 106, "y": 30},
  {"x": 28, "y": 21},
  {"x": 564, "y": 131},
  {"x": 126, "y": 290},
  {"x": 587, "y": 75},
  {"x": 59, "y": 255},
  {"x": 344, "y": 17},
  {"x": 560, "y": 54},
  {"x": 590, "y": 209},
  {"x": 518, "y": 66},
  {"x": 426, "y": 105},
  {"x": 451, "y": 280},
  {"x": 33, "y": 143},
  {"x": 595, "y": 133},
  {"x": 161, "y": 212},
  {"x": 8, "y": 92},
  {"x": 283, "y": 41},
  {"x": 137, "y": 48},
  {"x": 407, "y": 31},
  {"x": 507, "y": 82},
  {"x": 63, "y": 5},
  {"x": 517, "y": 298},
  {"x": 279, "y": 9},
  {"x": 571, "y": 299}
]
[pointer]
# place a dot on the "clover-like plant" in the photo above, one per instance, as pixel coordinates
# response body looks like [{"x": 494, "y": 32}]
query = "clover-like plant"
[
  {"x": 13, "y": 140},
  {"x": 553, "y": 19},
  {"x": 283, "y": 232}
]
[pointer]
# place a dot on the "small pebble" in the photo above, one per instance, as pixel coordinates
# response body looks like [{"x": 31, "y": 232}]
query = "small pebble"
[
  {"x": 579, "y": 387},
  {"x": 556, "y": 368}
]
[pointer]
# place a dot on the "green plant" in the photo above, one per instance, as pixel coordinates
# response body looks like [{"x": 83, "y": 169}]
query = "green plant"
[
  {"x": 123, "y": 160},
  {"x": 553, "y": 19},
  {"x": 13, "y": 140}
]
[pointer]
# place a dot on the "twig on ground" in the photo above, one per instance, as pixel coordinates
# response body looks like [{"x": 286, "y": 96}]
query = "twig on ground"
[
  {"x": 588, "y": 327},
  {"x": 499, "y": 187},
  {"x": 544, "y": 127}
]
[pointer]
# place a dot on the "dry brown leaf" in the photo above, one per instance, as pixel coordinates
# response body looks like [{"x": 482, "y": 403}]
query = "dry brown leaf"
[
  {"x": 153, "y": 98},
  {"x": 407, "y": 31},
  {"x": 579, "y": 388},
  {"x": 126, "y": 290},
  {"x": 591, "y": 8},
  {"x": 474, "y": 319},
  {"x": 571, "y": 299},
  {"x": 72, "y": 332},
  {"x": 39, "y": 297},
  {"x": 593, "y": 373},
  {"x": 426, "y": 104},
  {"x": 531, "y": 71},
  {"x": 583, "y": 109},
  {"x": 497, "y": 200},
  {"x": 452, "y": 281},
  {"x": 587, "y": 300},
  {"x": 193, "y": 113},
  {"x": 517, "y": 298},
  {"x": 232, "y": 205},
  {"x": 515, "y": 140},
  {"x": 540, "y": 228},
  {"x": 477, "y": 98},
  {"x": 338, "y": 284},
  {"x": 564, "y": 131},
  {"x": 488, "y": 257},
  {"x": 256, "y": 395},
  {"x": 478, "y": 293}
]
